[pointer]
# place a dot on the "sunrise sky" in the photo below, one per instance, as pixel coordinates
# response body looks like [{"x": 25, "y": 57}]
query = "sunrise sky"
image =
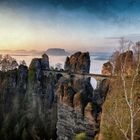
[{"x": 69, "y": 24}]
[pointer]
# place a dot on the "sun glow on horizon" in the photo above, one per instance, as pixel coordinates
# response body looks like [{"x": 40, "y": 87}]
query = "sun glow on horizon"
[
  {"x": 24, "y": 28},
  {"x": 19, "y": 30}
]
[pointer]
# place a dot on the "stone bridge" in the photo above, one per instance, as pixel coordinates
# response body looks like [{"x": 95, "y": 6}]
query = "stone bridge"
[{"x": 97, "y": 77}]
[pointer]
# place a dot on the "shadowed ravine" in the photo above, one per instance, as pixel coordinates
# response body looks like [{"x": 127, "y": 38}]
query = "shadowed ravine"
[{"x": 37, "y": 103}]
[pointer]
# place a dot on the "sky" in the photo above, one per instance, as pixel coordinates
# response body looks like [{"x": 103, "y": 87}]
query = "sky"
[{"x": 70, "y": 24}]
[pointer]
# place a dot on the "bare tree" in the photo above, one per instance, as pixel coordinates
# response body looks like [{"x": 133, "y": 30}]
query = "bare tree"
[
  {"x": 8, "y": 63},
  {"x": 129, "y": 96}
]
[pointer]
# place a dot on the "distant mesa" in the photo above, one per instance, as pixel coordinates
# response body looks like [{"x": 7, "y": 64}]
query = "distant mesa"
[{"x": 57, "y": 51}]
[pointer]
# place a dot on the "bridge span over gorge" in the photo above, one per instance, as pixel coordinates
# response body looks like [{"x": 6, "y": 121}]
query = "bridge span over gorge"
[{"x": 67, "y": 74}]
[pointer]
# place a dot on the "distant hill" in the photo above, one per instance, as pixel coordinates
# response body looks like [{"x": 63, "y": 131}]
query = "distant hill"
[
  {"x": 101, "y": 55},
  {"x": 21, "y": 52},
  {"x": 56, "y": 51}
]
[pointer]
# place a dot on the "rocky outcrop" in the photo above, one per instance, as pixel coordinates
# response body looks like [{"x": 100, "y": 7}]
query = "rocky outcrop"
[
  {"x": 78, "y": 62},
  {"x": 27, "y": 102},
  {"x": 36, "y": 103},
  {"x": 79, "y": 106},
  {"x": 107, "y": 68},
  {"x": 124, "y": 65},
  {"x": 45, "y": 62},
  {"x": 22, "y": 79},
  {"x": 124, "y": 62}
]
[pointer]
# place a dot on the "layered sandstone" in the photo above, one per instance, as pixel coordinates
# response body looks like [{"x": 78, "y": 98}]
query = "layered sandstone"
[{"x": 79, "y": 105}]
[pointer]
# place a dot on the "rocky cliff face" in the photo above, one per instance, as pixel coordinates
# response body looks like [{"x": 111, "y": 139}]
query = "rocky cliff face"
[
  {"x": 34, "y": 103},
  {"x": 79, "y": 106},
  {"x": 124, "y": 61},
  {"x": 78, "y": 62},
  {"x": 27, "y": 102},
  {"x": 124, "y": 66},
  {"x": 107, "y": 68}
]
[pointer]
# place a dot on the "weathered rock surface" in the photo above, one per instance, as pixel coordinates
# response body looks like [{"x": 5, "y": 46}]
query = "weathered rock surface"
[
  {"x": 78, "y": 62},
  {"x": 45, "y": 62},
  {"x": 34, "y": 103},
  {"x": 124, "y": 62},
  {"x": 79, "y": 106},
  {"x": 124, "y": 65},
  {"x": 27, "y": 102},
  {"x": 107, "y": 68}
]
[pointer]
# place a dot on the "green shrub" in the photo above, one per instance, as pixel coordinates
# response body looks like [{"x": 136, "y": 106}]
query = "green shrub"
[{"x": 81, "y": 136}]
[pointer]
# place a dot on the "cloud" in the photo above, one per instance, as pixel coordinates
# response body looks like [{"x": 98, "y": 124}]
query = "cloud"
[
  {"x": 132, "y": 36},
  {"x": 115, "y": 11}
]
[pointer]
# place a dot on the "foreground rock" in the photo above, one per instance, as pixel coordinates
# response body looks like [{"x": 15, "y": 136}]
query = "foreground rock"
[
  {"x": 27, "y": 102},
  {"x": 79, "y": 106}
]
